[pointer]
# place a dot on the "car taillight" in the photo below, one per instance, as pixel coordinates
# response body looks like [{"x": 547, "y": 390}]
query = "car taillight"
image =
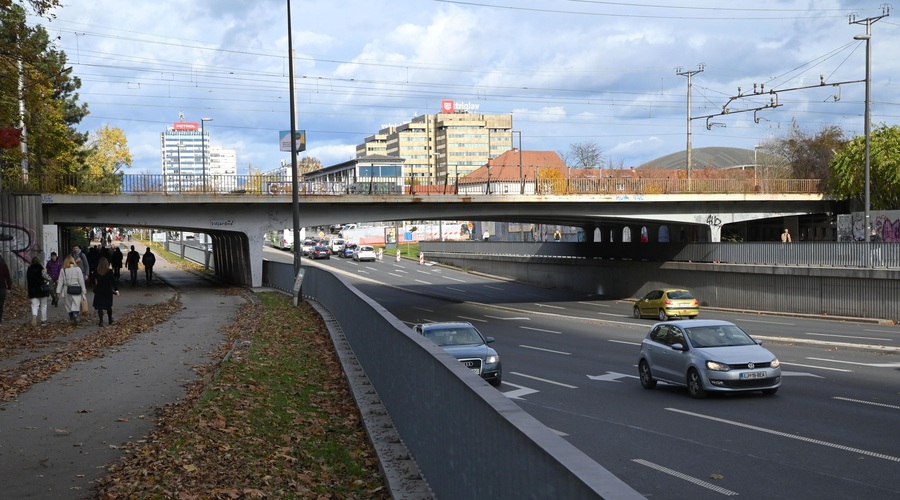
[{"x": 668, "y": 302}]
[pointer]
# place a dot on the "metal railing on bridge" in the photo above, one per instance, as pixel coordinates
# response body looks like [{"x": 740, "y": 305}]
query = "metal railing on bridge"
[{"x": 259, "y": 185}]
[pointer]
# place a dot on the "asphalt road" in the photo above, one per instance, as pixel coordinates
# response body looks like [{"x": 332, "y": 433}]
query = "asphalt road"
[{"x": 570, "y": 361}]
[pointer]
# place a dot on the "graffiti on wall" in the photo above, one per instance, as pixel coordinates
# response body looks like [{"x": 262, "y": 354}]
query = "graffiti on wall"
[
  {"x": 18, "y": 239},
  {"x": 886, "y": 225}
]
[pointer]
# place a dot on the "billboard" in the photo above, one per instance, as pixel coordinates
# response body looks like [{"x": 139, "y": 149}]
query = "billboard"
[
  {"x": 284, "y": 141},
  {"x": 185, "y": 126}
]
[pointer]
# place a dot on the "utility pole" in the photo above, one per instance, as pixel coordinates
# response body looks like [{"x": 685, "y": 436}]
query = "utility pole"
[
  {"x": 689, "y": 74},
  {"x": 869, "y": 21}
]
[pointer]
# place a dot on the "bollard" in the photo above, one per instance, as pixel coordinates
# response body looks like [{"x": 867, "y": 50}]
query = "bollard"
[
  {"x": 380, "y": 254},
  {"x": 398, "y": 255},
  {"x": 421, "y": 258}
]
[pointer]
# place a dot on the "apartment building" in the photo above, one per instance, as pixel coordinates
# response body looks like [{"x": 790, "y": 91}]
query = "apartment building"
[{"x": 451, "y": 143}]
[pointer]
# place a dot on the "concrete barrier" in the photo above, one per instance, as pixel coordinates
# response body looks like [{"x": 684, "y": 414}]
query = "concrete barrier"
[{"x": 468, "y": 439}]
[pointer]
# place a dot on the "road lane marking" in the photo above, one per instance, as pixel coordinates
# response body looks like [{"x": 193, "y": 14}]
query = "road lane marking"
[
  {"x": 544, "y": 380},
  {"x": 871, "y": 365},
  {"x": 423, "y": 282},
  {"x": 625, "y": 342},
  {"x": 799, "y": 374},
  {"x": 519, "y": 392},
  {"x": 455, "y": 289},
  {"x": 540, "y": 330},
  {"x": 455, "y": 279},
  {"x": 611, "y": 377},
  {"x": 873, "y": 403},
  {"x": 598, "y": 304},
  {"x": 397, "y": 275},
  {"x": 765, "y": 322},
  {"x": 613, "y": 314},
  {"x": 690, "y": 479},
  {"x": 473, "y": 319},
  {"x": 846, "y": 336},
  {"x": 818, "y": 367},
  {"x": 548, "y": 305},
  {"x": 424, "y": 309},
  {"x": 514, "y": 317},
  {"x": 789, "y": 435},
  {"x": 494, "y": 287},
  {"x": 545, "y": 350}
]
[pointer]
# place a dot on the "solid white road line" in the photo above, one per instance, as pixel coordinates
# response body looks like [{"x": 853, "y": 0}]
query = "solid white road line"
[
  {"x": 540, "y": 330},
  {"x": 860, "y": 401},
  {"x": 690, "y": 479},
  {"x": 790, "y": 436},
  {"x": 818, "y": 367},
  {"x": 847, "y": 336}
]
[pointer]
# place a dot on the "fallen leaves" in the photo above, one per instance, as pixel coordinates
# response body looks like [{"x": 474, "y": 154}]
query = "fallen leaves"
[{"x": 273, "y": 419}]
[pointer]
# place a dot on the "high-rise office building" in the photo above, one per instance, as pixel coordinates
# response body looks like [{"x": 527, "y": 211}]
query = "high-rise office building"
[
  {"x": 183, "y": 147},
  {"x": 452, "y": 143}
]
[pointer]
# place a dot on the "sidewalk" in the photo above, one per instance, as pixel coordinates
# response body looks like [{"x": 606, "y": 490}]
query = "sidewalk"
[{"x": 56, "y": 438}]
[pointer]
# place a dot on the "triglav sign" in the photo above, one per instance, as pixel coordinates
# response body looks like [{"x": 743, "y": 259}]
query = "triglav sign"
[{"x": 448, "y": 106}]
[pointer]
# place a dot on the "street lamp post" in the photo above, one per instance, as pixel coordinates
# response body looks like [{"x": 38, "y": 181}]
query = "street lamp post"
[
  {"x": 521, "y": 180},
  {"x": 203, "y": 148}
]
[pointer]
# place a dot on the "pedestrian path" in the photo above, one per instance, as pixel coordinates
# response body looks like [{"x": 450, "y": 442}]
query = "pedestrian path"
[{"x": 57, "y": 437}]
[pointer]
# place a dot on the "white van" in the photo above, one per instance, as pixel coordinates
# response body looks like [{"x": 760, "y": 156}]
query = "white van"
[{"x": 336, "y": 245}]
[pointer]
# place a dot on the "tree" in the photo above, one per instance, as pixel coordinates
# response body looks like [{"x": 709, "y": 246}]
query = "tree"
[
  {"x": 40, "y": 7},
  {"x": 848, "y": 169},
  {"x": 51, "y": 107},
  {"x": 308, "y": 164},
  {"x": 809, "y": 156},
  {"x": 107, "y": 155},
  {"x": 587, "y": 154}
]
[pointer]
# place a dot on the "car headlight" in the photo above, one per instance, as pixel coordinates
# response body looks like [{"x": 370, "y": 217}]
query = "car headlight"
[
  {"x": 492, "y": 360},
  {"x": 775, "y": 363},
  {"x": 716, "y": 366}
]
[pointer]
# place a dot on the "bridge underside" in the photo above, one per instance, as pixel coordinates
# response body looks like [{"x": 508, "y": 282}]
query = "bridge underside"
[{"x": 237, "y": 224}]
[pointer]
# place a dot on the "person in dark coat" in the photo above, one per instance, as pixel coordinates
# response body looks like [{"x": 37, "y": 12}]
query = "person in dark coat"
[
  {"x": 5, "y": 284},
  {"x": 36, "y": 279},
  {"x": 93, "y": 258},
  {"x": 105, "y": 286},
  {"x": 148, "y": 260},
  {"x": 132, "y": 261},
  {"x": 54, "y": 266},
  {"x": 116, "y": 262}
]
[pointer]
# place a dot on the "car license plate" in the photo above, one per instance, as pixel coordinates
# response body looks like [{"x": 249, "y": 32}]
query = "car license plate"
[
  {"x": 752, "y": 375},
  {"x": 476, "y": 371}
]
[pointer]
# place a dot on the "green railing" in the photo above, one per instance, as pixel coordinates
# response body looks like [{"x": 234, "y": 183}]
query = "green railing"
[{"x": 398, "y": 186}]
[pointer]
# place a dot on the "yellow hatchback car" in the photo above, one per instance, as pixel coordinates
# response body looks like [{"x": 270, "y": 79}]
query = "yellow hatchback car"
[{"x": 666, "y": 304}]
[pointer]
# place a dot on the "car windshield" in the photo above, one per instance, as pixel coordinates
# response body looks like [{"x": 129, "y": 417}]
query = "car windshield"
[
  {"x": 454, "y": 336},
  {"x": 680, "y": 295},
  {"x": 718, "y": 336}
]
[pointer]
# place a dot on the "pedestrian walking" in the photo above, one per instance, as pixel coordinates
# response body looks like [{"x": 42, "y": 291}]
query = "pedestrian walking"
[
  {"x": 105, "y": 286},
  {"x": 148, "y": 260},
  {"x": 38, "y": 284},
  {"x": 71, "y": 287},
  {"x": 115, "y": 262},
  {"x": 93, "y": 257},
  {"x": 53, "y": 267},
  {"x": 131, "y": 262},
  {"x": 80, "y": 260},
  {"x": 5, "y": 284},
  {"x": 557, "y": 236},
  {"x": 876, "y": 239},
  {"x": 786, "y": 236}
]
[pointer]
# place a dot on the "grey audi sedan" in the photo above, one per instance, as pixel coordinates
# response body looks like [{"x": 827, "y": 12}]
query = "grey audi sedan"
[
  {"x": 707, "y": 355},
  {"x": 464, "y": 342}
]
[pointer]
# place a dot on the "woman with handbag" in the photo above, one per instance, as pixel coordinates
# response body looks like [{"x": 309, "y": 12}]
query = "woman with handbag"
[
  {"x": 71, "y": 287},
  {"x": 38, "y": 290}
]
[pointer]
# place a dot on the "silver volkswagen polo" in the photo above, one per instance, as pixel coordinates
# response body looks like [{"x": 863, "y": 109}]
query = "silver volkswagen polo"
[{"x": 707, "y": 355}]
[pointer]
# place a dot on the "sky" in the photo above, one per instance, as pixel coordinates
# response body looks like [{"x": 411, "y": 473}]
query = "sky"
[{"x": 568, "y": 71}]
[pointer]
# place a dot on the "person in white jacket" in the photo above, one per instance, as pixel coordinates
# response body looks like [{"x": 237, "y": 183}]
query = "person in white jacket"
[{"x": 72, "y": 275}]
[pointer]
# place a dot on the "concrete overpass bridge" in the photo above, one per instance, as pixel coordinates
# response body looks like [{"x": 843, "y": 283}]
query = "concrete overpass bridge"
[{"x": 237, "y": 222}]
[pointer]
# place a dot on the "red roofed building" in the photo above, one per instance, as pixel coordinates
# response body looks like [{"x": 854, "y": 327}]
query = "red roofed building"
[{"x": 513, "y": 173}]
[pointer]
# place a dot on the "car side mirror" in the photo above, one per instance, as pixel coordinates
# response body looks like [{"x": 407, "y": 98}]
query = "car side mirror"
[
  {"x": 679, "y": 347},
  {"x": 489, "y": 339}
]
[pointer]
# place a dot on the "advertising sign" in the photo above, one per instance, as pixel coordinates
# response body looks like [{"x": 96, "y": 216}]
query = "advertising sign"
[
  {"x": 185, "y": 126},
  {"x": 284, "y": 141},
  {"x": 446, "y": 106}
]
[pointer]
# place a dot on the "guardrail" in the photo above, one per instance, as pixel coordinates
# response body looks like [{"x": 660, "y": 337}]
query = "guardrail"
[
  {"x": 258, "y": 185},
  {"x": 807, "y": 254},
  {"x": 467, "y": 438}
]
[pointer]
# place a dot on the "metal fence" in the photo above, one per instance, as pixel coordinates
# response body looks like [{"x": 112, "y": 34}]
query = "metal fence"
[{"x": 260, "y": 185}]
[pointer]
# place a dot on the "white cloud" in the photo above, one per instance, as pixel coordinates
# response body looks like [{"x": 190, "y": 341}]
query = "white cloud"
[{"x": 567, "y": 71}]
